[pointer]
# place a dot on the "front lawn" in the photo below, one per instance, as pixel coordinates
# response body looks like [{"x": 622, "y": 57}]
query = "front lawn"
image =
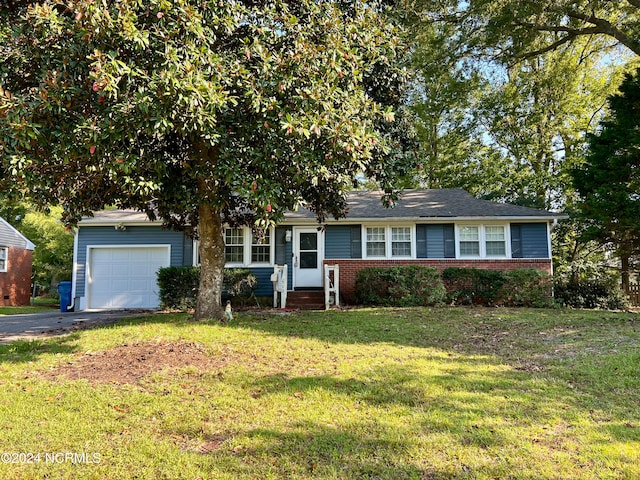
[{"x": 373, "y": 393}]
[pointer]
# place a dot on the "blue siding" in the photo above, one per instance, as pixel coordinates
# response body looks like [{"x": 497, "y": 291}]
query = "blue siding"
[
  {"x": 263, "y": 274},
  {"x": 337, "y": 241},
  {"x": 151, "y": 235}
]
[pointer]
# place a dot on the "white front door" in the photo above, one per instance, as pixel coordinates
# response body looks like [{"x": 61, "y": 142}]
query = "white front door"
[{"x": 307, "y": 257}]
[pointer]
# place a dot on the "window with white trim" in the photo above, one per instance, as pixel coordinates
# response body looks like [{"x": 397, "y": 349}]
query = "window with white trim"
[
  {"x": 495, "y": 241},
  {"x": 4, "y": 253},
  {"x": 400, "y": 241},
  {"x": 388, "y": 242},
  {"x": 376, "y": 243},
  {"x": 470, "y": 241},
  {"x": 482, "y": 241},
  {"x": 261, "y": 249},
  {"x": 233, "y": 245}
]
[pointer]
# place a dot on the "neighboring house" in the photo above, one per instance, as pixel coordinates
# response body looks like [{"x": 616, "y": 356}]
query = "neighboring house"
[
  {"x": 16, "y": 257},
  {"x": 117, "y": 253}
]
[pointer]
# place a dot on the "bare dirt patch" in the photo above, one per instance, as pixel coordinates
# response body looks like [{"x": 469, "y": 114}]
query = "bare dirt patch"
[{"x": 130, "y": 363}]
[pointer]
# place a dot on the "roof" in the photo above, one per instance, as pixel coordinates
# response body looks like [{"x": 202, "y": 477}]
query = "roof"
[
  {"x": 436, "y": 204},
  {"x": 10, "y": 237},
  {"x": 452, "y": 203}
]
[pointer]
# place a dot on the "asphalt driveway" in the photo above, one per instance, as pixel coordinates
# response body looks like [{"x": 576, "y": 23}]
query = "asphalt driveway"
[{"x": 47, "y": 324}]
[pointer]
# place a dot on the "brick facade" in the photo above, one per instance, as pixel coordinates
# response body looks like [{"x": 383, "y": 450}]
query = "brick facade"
[
  {"x": 15, "y": 283},
  {"x": 349, "y": 268}
]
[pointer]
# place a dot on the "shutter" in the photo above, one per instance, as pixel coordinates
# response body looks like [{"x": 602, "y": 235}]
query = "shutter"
[
  {"x": 516, "y": 240},
  {"x": 281, "y": 246},
  {"x": 449, "y": 241},
  {"x": 421, "y": 241},
  {"x": 356, "y": 241}
]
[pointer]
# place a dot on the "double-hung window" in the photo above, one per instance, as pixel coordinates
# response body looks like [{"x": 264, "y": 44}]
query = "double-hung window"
[
  {"x": 388, "y": 242},
  {"x": 482, "y": 241},
  {"x": 243, "y": 248},
  {"x": 261, "y": 249},
  {"x": 4, "y": 251},
  {"x": 376, "y": 242},
  {"x": 495, "y": 241},
  {"x": 234, "y": 245},
  {"x": 400, "y": 242},
  {"x": 470, "y": 241}
]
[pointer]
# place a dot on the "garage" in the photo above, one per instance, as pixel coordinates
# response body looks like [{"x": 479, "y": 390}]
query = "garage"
[{"x": 125, "y": 277}]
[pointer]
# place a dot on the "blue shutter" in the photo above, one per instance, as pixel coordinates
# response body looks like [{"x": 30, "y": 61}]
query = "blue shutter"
[
  {"x": 356, "y": 241},
  {"x": 421, "y": 241},
  {"x": 516, "y": 240},
  {"x": 449, "y": 241}
]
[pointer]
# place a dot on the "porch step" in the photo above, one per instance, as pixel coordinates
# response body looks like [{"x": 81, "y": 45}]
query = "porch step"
[{"x": 306, "y": 299}]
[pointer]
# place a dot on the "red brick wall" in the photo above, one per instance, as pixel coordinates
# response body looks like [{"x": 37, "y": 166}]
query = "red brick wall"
[
  {"x": 15, "y": 283},
  {"x": 349, "y": 268}
]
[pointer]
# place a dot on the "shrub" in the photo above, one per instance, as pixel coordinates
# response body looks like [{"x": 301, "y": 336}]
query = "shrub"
[
  {"x": 526, "y": 287},
  {"x": 178, "y": 286},
  {"x": 515, "y": 288},
  {"x": 403, "y": 286},
  {"x": 472, "y": 286},
  {"x": 590, "y": 294}
]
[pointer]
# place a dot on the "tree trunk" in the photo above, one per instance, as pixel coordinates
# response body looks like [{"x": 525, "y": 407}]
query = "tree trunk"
[
  {"x": 211, "y": 264},
  {"x": 624, "y": 260}
]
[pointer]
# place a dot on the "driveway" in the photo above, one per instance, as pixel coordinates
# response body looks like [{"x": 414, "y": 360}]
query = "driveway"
[{"x": 38, "y": 325}]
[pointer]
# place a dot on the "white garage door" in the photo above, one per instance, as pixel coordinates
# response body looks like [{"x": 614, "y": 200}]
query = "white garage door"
[{"x": 125, "y": 277}]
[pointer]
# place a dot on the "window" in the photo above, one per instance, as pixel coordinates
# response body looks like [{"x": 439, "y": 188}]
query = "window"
[
  {"x": 469, "y": 241},
  {"x": 234, "y": 245},
  {"x": 376, "y": 242},
  {"x": 261, "y": 249},
  {"x": 495, "y": 241},
  {"x": 3, "y": 258},
  {"x": 400, "y": 242}
]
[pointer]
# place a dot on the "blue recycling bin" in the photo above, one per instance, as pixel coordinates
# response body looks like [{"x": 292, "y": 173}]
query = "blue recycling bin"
[{"x": 64, "y": 289}]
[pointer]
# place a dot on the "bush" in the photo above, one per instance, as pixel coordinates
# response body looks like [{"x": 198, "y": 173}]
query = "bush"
[
  {"x": 526, "y": 288},
  {"x": 515, "y": 288},
  {"x": 178, "y": 286},
  {"x": 402, "y": 286},
  {"x": 472, "y": 286},
  {"x": 590, "y": 294}
]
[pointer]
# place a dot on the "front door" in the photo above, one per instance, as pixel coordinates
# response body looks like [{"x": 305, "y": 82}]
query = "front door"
[{"x": 307, "y": 257}]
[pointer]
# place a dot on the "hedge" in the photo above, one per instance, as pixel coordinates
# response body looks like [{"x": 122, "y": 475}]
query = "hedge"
[
  {"x": 178, "y": 286},
  {"x": 399, "y": 286},
  {"x": 417, "y": 285},
  {"x": 526, "y": 287}
]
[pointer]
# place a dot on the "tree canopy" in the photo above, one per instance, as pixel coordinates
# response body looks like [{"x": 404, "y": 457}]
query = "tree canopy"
[
  {"x": 198, "y": 111},
  {"x": 609, "y": 180}
]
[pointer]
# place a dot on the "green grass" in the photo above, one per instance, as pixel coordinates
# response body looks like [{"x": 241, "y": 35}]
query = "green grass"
[
  {"x": 40, "y": 305},
  {"x": 372, "y": 393}
]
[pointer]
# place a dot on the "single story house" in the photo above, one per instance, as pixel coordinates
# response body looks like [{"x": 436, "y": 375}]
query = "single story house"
[
  {"x": 16, "y": 257},
  {"x": 117, "y": 253}
]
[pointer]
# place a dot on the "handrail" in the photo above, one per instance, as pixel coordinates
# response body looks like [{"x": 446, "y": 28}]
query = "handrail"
[
  {"x": 331, "y": 286},
  {"x": 279, "y": 278}
]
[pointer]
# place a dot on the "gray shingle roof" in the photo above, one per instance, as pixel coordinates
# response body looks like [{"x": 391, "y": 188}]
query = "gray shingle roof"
[
  {"x": 436, "y": 203},
  {"x": 366, "y": 205}
]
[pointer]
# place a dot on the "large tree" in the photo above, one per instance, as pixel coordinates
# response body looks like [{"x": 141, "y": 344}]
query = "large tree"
[
  {"x": 609, "y": 180},
  {"x": 197, "y": 111},
  {"x": 515, "y": 29}
]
